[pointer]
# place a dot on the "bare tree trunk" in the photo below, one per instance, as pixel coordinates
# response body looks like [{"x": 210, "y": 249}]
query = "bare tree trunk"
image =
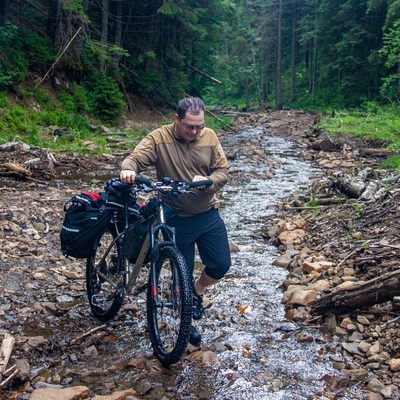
[
  {"x": 279, "y": 59},
  {"x": 104, "y": 31},
  {"x": 4, "y": 12},
  {"x": 294, "y": 51},
  {"x": 53, "y": 20},
  {"x": 246, "y": 84},
  {"x": 81, "y": 24},
  {"x": 118, "y": 31},
  {"x": 314, "y": 55},
  {"x": 314, "y": 70}
]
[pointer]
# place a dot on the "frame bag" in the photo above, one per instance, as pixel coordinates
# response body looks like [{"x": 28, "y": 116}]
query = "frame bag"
[{"x": 86, "y": 218}]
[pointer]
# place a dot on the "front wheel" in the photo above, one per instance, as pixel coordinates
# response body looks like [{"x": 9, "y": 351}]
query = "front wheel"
[
  {"x": 104, "y": 277},
  {"x": 169, "y": 306}
]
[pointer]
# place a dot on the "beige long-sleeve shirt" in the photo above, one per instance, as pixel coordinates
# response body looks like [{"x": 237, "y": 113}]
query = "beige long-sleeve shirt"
[{"x": 177, "y": 159}]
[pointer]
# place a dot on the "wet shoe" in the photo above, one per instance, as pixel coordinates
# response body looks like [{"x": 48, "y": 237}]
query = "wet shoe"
[
  {"x": 197, "y": 305},
  {"x": 195, "y": 337}
]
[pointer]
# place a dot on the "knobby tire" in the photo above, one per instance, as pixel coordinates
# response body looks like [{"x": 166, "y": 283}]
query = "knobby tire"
[
  {"x": 169, "y": 306},
  {"x": 105, "y": 299}
]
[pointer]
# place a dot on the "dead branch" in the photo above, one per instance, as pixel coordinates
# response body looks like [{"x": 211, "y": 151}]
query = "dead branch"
[
  {"x": 58, "y": 58},
  {"x": 88, "y": 333},
  {"x": 16, "y": 168},
  {"x": 5, "y": 351},
  {"x": 204, "y": 74},
  {"x": 14, "y": 371}
]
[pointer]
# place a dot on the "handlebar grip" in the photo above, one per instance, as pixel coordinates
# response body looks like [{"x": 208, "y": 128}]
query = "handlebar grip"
[
  {"x": 206, "y": 182},
  {"x": 142, "y": 181}
]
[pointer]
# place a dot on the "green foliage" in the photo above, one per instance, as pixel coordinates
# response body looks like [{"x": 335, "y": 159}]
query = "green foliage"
[
  {"x": 76, "y": 101},
  {"x": 392, "y": 162},
  {"x": 4, "y": 102},
  {"x": 359, "y": 210},
  {"x": 390, "y": 52},
  {"x": 20, "y": 49},
  {"x": 13, "y": 64},
  {"x": 104, "y": 97},
  {"x": 371, "y": 122}
]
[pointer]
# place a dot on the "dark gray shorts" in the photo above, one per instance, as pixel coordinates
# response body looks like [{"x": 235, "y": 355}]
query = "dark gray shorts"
[{"x": 207, "y": 230}]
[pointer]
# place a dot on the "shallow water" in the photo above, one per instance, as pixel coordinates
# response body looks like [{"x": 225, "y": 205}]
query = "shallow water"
[
  {"x": 274, "y": 365},
  {"x": 258, "y": 355}
]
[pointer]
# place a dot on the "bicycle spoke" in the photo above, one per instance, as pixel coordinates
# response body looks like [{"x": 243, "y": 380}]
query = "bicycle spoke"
[
  {"x": 169, "y": 307},
  {"x": 104, "y": 279}
]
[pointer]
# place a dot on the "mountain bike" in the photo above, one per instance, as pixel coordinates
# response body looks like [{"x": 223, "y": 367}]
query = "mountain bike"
[{"x": 137, "y": 237}]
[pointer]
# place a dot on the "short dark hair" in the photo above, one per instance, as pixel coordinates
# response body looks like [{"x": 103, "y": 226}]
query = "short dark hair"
[{"x": 192, "y": 105}]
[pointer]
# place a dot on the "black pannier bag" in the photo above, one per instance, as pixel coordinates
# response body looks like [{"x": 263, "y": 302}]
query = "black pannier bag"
[
  {"x": 134, "y": 239},
  {"x": 86, "y": 218}
]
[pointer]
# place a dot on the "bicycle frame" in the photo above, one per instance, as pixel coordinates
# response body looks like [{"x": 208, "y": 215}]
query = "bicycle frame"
[
  {"x": 138, "y": 237},
  {"x": 151, "y": 242}
]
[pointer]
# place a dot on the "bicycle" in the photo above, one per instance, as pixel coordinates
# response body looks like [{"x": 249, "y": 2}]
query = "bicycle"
[{"x": 138, "y": 235}]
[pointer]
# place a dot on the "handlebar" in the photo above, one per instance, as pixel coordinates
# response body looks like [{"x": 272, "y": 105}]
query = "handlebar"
[
  {"x": 207, "y": 182},
  {"x": 167, "y": 185}
]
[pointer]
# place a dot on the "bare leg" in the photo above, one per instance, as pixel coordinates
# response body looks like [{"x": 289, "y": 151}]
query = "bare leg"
[{"x": 202, "y": 282}]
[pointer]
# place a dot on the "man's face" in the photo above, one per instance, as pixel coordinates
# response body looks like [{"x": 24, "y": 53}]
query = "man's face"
[{"x": 189, "y": 127}]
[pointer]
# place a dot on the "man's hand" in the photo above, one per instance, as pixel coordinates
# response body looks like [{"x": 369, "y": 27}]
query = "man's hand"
[
  {"x": 198, "y": 178},
  {"x": 127, "y": 176}
]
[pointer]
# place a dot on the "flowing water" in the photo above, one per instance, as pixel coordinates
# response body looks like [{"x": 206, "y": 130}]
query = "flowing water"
[
  {"x": 254, "y": 351},
  {"x": 268, "y": 362},
  {"x": 258, "y": 355}
]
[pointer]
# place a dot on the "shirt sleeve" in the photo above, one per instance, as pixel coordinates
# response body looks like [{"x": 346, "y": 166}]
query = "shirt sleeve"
[
  {"x": 143, "y": 156},
  {"x": 219, "y": 174}
]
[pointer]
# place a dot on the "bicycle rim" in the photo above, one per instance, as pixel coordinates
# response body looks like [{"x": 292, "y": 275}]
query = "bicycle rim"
[
  {"x": 105, "y": 297},
  {"x": 169, "y": 306}
]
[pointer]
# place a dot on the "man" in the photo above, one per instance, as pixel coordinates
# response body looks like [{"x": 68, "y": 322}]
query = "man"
[{"x": 189, "y": 151}]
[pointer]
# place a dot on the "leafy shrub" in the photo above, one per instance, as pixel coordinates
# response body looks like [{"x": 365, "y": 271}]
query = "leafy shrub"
[
  {"x": 13, "y": 64},
  {"x": 104, "y": 98}
]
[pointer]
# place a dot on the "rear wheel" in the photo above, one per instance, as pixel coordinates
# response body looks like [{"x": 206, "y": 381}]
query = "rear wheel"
[
  {"x": 104, "y": 277},
  {"x": 169, "y": 306}
]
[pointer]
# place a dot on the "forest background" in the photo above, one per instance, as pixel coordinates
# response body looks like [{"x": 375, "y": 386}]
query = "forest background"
[{"x": 72, "y": 63}]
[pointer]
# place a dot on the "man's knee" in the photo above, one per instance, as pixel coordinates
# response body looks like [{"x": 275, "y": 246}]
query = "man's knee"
[{"x": 217, "y": 272}]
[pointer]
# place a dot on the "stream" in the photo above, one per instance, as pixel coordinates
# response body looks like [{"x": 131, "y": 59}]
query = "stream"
[
  {"x": 258, "y": 355},
  {"x": 249, "y": 350}
]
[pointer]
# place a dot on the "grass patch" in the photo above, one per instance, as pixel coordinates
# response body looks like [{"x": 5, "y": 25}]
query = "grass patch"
[
  {"x": 377, "y": 125},
  {"x": 36, "y": 118}
]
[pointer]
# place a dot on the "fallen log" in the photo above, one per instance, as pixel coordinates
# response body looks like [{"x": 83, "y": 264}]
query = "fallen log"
[
  {"x": 375, "y": 152},
  {"x": 326, "y": 201},
  {"x": 375, "y": 291},
  {"x": 348, "y": 185}
]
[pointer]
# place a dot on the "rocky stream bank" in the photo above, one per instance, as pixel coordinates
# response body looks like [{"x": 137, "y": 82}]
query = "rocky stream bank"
[{"x": 334, "y": 238}]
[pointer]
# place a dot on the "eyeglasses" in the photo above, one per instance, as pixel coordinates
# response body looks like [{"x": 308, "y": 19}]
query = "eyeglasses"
[{"x": 190, "y": 128}]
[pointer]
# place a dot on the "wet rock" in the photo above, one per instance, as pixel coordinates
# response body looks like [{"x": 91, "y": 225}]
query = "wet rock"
[
  {"x": 390, "y": 392},
  {"x": 128, "y": 394},
  {"x": 70, "y": 393},
  {"x": 301, "y": 297},
  {"x": 283, "y": 261},
  {"x": 373, "y": 396},
  {"x": 394, "y": 364},
  {"x": 206, "y": 357},
  {"x": 318, "y": 266},
  {"x": 375, "y": 385},
  {"x": 358, "y": 373}
]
